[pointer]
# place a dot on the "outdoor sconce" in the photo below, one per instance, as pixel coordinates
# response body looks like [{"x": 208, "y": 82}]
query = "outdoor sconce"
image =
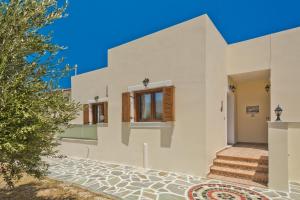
[
  {"x": 268, "y": 87},
  {"x": 232, "y": 88},
  {"x": 278, "y": 112},
  {"x": 146, "y": 82},
  {"x": 96, "y": 98}
]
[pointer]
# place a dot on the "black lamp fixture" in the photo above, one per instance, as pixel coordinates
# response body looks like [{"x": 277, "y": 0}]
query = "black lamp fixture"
[
  {"x": 232, "y": 88},
  {"x": 268, "y": 87},
  {"x": 96, "y": 98},
  {"x": 146, "y": 82},
  {"x": 278, "y": 112}
]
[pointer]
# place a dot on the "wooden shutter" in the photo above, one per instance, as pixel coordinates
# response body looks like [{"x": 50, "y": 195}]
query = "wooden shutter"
[
  {"x": 136, "y": 107},
  {"x": 126, "y": 107},
  {"x": 169, "y": 103},
  {"x": 85, "y": 113},
  {"x": 105, "y": 111}
]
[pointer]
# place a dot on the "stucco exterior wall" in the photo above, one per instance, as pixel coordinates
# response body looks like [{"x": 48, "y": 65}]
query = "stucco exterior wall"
[
  {"x": 216, "y": 92},
  {"x": 248, "y": 56},
  {"x": 177, "y": 54},
  {"x": 279, "y": 52},
  {"x": 194, "y": 57},
  {"x": 284, "y": 157},
  {"x": 88, "y": 85},
  {"x": 294, "y": 152},
  {"x": 252, "y": 128},
  {"x": 285, "y": 72}
]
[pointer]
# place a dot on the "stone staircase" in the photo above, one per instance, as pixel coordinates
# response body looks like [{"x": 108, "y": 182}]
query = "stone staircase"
[{"x": 241, "y": 167}]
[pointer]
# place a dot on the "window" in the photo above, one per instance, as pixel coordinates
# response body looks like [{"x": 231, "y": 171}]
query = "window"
[
  {"x": 148, "y": 105},
  {"x": 151, "y": 105},
  {"x": 95, "y": 113},
  {"x": 98, "y": 113}
]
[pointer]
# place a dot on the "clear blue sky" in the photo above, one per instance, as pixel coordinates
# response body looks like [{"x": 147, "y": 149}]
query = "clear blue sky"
[{"x": 94, "y": 26}]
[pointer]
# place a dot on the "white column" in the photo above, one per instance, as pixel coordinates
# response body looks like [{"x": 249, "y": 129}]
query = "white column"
[
  {"x": 278, "y": 156},
  {"x": 145, "y": 163},
  {"x": 90, "y": 114}
]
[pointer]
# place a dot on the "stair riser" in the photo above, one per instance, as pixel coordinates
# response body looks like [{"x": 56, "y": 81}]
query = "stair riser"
[
  {"x": 231, "y": 174},
  {"x": 239, "y": 181},
  {"x": 239, "y": 176},
  {"x": 260, "y": 180},
  {"x": 262, "y": 169},
  {"x": 260, "y": 161},
  {"x": 236, "y": 166}
]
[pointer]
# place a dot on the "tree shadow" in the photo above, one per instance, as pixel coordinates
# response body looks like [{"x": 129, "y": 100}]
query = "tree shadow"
[{"x": 35, "y": 191}]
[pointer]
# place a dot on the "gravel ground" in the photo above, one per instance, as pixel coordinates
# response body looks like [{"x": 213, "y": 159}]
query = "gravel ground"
[{"x": 29, "y": 188}]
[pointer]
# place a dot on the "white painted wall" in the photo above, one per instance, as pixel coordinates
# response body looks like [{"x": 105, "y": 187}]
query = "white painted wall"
[
  {"x": 284, "y": 157},
  {"x": 252, "y": 128},
  {"x": 88, "y": 85},
  {"x": 248, "y": 56},
  {"x": 216, "y": 92},
  {"x": 294, "y": 152},
  {"x": 231, "y": 136},
  {"x": 183, "y": 54},
  {"x": 175, "y": 54},
  {"x": 191, "y": 55},
  {"x": 285, "y": 74},
  {"x": 278, "y": 156},
  {"x": 281, "y": 54}
]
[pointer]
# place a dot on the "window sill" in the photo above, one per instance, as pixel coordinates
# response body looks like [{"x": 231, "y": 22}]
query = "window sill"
[
  {"x": 102, "y": 124},
  {"x": 140, "y": 125}
]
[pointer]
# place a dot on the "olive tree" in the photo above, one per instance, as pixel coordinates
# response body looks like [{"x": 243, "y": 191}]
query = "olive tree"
[{"x": 32, "y": 108}]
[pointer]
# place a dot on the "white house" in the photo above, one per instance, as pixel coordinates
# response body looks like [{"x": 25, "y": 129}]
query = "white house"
[{"x": 173, "y": 99}]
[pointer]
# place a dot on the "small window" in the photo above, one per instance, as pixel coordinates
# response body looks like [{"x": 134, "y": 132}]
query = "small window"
[
  {"x": 149, "y": 105},
  {"x": 99, "y": 113}
]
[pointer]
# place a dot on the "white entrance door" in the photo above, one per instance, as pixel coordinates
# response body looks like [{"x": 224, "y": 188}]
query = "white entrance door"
[{"x": 230, "y": 118}]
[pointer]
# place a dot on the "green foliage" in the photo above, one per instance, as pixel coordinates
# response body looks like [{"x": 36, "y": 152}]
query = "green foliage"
[{"x": 32, "y": 111}]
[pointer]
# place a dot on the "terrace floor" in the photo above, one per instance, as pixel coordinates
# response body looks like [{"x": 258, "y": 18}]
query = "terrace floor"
[{"x": 128, "y": 182}]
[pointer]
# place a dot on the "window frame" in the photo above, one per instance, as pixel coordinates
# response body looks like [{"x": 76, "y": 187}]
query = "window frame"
[{"x": 137, "y": 95}]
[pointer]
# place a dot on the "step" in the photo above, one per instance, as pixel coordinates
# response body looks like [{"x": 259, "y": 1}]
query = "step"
[
  {"x": 236, "y": 164},
  {"x": 263, "y": 160},
  {"x": 237, "y": 180},
  {"x": 240, "y": 173}
]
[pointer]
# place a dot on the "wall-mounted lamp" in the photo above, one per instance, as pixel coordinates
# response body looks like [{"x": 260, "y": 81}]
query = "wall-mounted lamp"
[
  {"x": 268, "y": 87},
  {"x": 232, "y": 88},
  {"x": 96, "y": 98},
  {"x": 278, "y": 112},
  {"x": 146, "y": 82}
]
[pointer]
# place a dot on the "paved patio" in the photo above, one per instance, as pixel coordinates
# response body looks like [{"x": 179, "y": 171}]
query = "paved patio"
[{"x": 128, "y": 182}]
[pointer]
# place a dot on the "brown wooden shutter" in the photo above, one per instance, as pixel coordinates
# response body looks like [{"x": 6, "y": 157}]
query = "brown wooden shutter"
[
  {"x": 126, "y": 107},
  {"x": 105, "y": 111},
  {"x": 85, "y": 113},
  {"x": 136, "y": 106},
  {"x": 169, "y": 104}
]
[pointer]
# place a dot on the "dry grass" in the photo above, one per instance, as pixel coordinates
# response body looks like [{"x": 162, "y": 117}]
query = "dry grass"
[{"x": 29, "y": 188}]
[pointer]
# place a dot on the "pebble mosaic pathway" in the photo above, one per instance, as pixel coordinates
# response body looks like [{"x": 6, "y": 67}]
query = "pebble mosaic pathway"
[{"x": 132, "y": 183}]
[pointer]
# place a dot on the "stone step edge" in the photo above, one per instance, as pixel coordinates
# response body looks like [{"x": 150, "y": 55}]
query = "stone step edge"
[
  {"x": 242, "y": 174},
  {"x": 244, "y": 159},
  {"x": 238, "y": 180},
  {"x": 241, "y": 165}
]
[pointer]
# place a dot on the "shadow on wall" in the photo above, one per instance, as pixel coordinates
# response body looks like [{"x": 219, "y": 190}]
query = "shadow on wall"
[{"x": 166, "y": 134}]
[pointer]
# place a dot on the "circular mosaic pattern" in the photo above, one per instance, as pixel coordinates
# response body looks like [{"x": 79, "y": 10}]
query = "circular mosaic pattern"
[{"x": 222, "y": 192}]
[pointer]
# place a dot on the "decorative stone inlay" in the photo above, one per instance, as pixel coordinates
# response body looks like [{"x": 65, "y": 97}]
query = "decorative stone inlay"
[
  {"x": 133, "y": 183},
  {"x": 223, "y": 192}
]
